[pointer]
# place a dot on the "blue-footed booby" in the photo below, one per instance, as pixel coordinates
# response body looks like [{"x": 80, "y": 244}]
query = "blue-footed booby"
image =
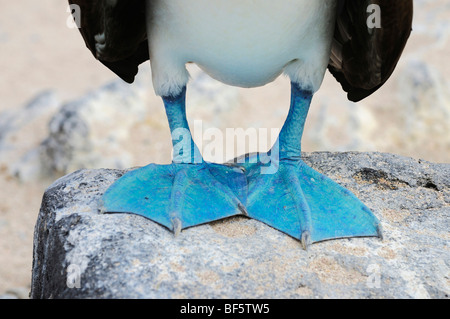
[{"x": 247, "y": 43}]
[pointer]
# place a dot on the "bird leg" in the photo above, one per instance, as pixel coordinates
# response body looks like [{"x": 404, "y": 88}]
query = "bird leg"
[
  {"x": 296, "y": 199},
  {"x": 184, "y": 148},
  {"x": 187, "y": 192}
]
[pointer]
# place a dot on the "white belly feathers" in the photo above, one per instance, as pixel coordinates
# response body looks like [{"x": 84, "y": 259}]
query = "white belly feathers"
[{"x": 244, "y": 43}]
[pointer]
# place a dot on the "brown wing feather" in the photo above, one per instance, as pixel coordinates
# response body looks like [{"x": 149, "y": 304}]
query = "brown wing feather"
[
  {"x": 125, "y": 44},
  {"x": 363, "y": 59}
]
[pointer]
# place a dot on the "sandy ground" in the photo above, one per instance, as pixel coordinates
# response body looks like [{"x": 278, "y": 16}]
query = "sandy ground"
[{"x": 38, "y": 52}]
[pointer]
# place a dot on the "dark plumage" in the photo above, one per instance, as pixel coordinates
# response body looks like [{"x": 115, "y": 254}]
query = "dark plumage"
[
  {"x": 126, "y": 35},
  {"x": 362, "y": 59}
]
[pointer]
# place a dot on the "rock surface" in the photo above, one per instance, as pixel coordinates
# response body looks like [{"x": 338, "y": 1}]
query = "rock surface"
[{"x": 81, "y": 253}]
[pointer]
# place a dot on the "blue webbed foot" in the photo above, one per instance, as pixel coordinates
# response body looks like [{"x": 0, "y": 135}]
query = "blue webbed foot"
[
  {"x": 284, "y": 193},
  {"x": 187, "y": 192},
  {"x": 178, "y": 196},
  {"x": 290, "y": 196},
  {"x": 305, "y": 204}
]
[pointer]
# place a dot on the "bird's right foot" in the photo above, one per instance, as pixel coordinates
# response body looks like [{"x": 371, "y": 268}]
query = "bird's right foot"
[{"x": 179, "y": 196}]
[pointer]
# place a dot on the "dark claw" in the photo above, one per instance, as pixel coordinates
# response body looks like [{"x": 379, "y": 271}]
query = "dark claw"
[{"x": 306, "y": 239}]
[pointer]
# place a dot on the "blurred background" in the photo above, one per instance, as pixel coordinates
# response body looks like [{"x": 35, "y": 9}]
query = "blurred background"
[{"x": 61, "y": 110}]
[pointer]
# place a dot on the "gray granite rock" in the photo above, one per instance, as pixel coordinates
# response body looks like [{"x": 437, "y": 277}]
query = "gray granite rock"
[
  {"x": 81, "y": 253},
  {"x": 17, "y": 145}
]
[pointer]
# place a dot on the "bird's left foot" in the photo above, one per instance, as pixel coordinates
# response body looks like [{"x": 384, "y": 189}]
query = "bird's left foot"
[{"x": 299, "y": 201}]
